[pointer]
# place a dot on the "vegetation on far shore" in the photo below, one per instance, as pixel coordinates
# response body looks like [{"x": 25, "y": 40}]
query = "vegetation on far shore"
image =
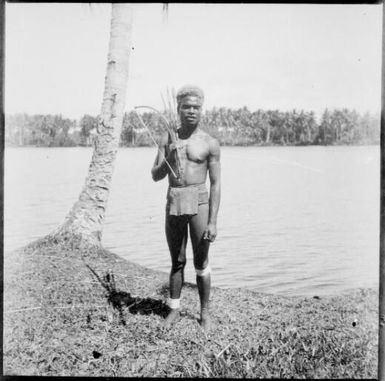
[
  {"x": 71, "y": 312},
  {"x": 230, "y": 126}
]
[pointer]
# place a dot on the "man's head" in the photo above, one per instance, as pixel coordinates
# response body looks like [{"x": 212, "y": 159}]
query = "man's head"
[
  {"x": 190, "y": 100},
  {"x": 189, "y": 91}
]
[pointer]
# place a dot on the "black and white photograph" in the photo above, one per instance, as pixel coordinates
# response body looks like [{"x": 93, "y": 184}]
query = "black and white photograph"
[{"x": 192, "y": 190}]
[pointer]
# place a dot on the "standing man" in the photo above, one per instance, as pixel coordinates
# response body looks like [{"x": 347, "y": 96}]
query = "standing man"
[{"x": 188, "y": 203}]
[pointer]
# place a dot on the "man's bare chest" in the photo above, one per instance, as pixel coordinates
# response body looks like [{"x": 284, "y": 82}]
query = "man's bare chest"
[{"x": 194, "y": 149}]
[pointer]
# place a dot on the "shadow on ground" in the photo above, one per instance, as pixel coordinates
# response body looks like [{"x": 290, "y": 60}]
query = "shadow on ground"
[{"x": 120, "y": 300}]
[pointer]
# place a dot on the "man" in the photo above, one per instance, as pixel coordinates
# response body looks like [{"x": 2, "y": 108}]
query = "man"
[{"x": 188, "y": 204}]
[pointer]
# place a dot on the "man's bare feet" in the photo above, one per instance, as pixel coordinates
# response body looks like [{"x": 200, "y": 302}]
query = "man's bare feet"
[
  {"x": 172, "y": 317},
  {"x": 205, "y": 320}
]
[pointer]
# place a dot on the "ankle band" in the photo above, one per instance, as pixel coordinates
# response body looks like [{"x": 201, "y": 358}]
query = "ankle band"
[{"x": 173, "y": 303}]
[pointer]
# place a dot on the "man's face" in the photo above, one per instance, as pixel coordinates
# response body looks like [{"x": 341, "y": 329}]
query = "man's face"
[{"x": 190, "y": 111}]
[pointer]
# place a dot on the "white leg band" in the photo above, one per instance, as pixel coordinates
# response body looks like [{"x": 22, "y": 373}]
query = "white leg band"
[
  {"x": 173, "y": 303},
  {"x": 203, "y": 272}
]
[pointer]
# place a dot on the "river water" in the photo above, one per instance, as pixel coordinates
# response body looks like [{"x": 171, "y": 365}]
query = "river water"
[{"x": 292, "y": 220}]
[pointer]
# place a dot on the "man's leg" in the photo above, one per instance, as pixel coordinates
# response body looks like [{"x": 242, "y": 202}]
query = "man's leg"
[
  {"x": 176, "y": 233},
  {"x": 198, "y": 224}
]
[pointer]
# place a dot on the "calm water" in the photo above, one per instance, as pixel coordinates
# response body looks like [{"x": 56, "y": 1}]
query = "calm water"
[{"x": 293, "y": 220}]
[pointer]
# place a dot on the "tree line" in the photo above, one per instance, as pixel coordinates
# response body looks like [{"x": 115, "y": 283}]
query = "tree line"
[{"x": 229, "y": 126}]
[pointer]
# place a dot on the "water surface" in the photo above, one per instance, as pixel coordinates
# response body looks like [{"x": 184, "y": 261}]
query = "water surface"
[{"x": 292, "y": 220}]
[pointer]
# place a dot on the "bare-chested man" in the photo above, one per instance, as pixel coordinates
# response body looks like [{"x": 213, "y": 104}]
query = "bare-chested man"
[{"x": 188, "y": 202}]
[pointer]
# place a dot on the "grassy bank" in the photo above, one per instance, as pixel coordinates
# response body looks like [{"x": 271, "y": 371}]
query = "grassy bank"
[{"x": 65, "y": 316}]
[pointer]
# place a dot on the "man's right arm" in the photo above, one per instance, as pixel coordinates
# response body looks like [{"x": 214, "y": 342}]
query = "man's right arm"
[{"x": 160, "y": 168}]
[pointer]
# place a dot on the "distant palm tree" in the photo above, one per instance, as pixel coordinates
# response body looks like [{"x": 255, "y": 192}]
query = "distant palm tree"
[{"x": 85, "y": 220}]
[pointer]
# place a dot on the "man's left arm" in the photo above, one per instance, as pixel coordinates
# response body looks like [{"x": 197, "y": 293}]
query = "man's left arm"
[{"x": 214, "y": 167}]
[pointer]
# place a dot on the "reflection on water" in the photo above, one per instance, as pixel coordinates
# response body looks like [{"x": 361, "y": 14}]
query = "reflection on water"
[{"x": 294, "y": 220}]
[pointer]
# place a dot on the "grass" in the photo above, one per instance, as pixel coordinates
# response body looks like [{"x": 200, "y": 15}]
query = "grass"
[{"x": 91, "y": 313}]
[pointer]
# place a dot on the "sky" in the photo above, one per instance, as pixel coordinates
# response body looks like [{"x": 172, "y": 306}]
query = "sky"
[{"x": 263, "y": 56}]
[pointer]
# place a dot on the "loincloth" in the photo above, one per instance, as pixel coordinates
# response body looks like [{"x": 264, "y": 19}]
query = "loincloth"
[{"x": 185, "y": 200}]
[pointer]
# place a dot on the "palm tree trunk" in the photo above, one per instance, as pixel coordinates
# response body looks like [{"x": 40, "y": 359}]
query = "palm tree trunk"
[{"x": 85, "y": 220}]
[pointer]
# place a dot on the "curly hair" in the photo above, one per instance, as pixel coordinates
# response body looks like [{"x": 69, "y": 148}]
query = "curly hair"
[{"x": 190, "y": 90}]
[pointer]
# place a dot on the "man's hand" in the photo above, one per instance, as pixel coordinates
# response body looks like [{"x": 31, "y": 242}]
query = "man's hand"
[
  {"x": 175, "y": 146},
  {"x": 172, "y": 147},
  {"x": 210, "y": 233}
]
